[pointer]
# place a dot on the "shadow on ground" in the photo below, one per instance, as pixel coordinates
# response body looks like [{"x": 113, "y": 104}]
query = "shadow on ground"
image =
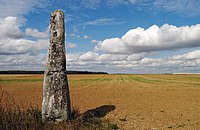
[{"x": 98, "y": 112}]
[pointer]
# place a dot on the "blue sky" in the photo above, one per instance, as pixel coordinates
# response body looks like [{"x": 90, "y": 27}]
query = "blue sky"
[{"x": 117, "y": 36}]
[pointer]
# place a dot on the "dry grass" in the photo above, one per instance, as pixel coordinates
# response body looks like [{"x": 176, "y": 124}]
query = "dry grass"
[
  {"x": 141, "y": 101},
  {"x": 31, "y": 119},
  {"x": 26, "y": 117}
]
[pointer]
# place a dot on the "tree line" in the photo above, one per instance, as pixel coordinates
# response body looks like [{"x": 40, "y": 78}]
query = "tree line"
[{"x": 42, "y": 72}]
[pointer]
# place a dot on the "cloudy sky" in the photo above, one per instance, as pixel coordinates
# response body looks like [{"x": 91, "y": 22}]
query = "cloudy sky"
[{"x": 116, "y": 36}]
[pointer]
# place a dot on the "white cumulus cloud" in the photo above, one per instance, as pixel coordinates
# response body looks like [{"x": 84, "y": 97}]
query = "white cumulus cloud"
[
  {"x": 23, "y": 62},
  {"x": 89, "y": 56},
  {"x": 21, "y": 46},
  {"x": 154, "y": 38},
  {"x": 112, "y": 45},
  {"x": 188, "y": 56},
  {"x": 13, "y": 40},
  {"x": 35, "y": 33},
  {"x": 10, "y": 28}
]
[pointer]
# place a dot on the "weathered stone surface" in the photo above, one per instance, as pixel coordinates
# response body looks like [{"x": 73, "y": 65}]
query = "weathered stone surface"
[{"x": 56, "y": 99}]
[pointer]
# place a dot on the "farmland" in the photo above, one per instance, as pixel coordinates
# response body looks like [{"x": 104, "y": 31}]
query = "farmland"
[{"x": 141, "y": 101}]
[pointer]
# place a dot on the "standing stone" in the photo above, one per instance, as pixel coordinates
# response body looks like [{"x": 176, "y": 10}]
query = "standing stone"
[{"x": 56, "y": 99}]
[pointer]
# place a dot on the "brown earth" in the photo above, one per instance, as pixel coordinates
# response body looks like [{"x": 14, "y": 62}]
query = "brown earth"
[{"x": 142, "y": 102}]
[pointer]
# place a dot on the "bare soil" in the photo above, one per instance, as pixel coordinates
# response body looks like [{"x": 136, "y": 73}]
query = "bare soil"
[{"x": 141, "y": 102}]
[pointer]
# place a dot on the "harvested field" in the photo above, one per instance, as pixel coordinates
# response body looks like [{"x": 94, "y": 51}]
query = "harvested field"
[{"x": 141, "y": 101}]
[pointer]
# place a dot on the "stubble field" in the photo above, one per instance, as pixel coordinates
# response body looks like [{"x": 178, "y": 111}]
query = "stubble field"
[{"x": 138, "y": 101}]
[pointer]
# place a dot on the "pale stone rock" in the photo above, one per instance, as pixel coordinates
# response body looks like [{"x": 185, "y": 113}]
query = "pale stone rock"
[{"x": 56, "y": 99}]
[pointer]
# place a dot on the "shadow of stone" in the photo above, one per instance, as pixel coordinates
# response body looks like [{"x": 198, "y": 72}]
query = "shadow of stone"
[{"x": 98, "y": 112}]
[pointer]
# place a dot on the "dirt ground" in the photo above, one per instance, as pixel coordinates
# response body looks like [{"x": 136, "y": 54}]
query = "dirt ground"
[{"x": 141, "y": 102}]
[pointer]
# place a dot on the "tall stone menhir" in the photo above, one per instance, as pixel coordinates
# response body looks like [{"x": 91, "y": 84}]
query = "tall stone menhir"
[{"x": 56, "y": 99}]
